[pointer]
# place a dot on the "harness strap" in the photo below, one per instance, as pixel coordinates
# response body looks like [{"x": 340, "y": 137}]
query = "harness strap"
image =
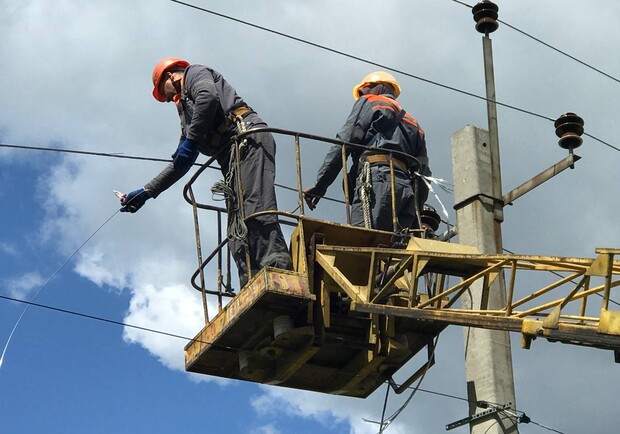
[
  {"x": 365, "y": 191},
  {"x": 380, "y": 158},
  {"x": 234, "y": 115}
]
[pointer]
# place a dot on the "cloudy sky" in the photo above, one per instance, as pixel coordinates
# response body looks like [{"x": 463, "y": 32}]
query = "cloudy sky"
[{"x": 77, "y": 75}]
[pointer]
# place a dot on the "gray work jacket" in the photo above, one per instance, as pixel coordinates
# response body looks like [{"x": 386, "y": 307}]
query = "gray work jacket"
[
  {"x": 373, "y": 122},
  {"x": 206, "y": 99}
]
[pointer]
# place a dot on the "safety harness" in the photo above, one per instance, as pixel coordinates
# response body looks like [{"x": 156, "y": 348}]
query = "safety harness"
[
  {"x": 375, "y": 142},
  {"x": 237, "y": 229}
]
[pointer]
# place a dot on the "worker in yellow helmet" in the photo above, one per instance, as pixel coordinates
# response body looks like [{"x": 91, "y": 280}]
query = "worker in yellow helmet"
[
  {"x": 212, "y": 113},
  {"x": 378, "y": 122}
]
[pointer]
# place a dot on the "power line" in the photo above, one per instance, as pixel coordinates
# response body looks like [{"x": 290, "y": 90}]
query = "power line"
[
  {"x": 6, "y": 346},
  {"x": 548, "y": 45},
  {"x": 522, "y": 419},
  {"x": 97, "y": 318},
  {"x": 130, "y": 157},
  {"x": 114, "y": 155},
  {"x": 370, "y": 62},
  {"x": 360, "y": 59},
  {"x": 147, "y": 329},
  {"x": 602, "y": 141}
]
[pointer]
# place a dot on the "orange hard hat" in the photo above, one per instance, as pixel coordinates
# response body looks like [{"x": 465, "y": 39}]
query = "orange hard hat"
[
  {"x": 159, "y": 71},
  {"x": 378, "y": 77}
]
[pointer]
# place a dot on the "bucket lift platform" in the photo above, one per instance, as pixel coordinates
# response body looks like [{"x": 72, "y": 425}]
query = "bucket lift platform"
[
  {"x": 287, "y": 329},
  {"x": 356, "y": 309}
]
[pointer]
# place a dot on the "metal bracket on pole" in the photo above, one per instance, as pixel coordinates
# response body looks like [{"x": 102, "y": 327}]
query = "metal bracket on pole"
[
  {"x": 482, "y": 414},
  {"x": 543, "y": 176}
]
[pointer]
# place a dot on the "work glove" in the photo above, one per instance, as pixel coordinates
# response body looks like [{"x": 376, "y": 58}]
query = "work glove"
[
  {"x": 132, "y": 202},
  {"x": 312, "y": 196},
  {"x": 185, "y": 155}
]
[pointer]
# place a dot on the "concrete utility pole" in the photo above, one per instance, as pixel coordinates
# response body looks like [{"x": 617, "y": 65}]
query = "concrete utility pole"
[
  {"x": 488, "y": 360},
  {"x": 479, "y": 214}
]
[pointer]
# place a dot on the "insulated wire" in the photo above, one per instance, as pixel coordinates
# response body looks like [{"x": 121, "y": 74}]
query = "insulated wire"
[
  {"x": 545, "y": 427},
  {"x": 549, "y": 46},
  {"x": 6, "y": 346},
  {"x": 164, "y": 333},
  {"x": 361, "y": 59},
  {"x": 114, "y": 155},
  {"x": 490, "y": 404},
  {"x": 130, "y": 157},
  {"x": 520, "y": 419},
  {"x": 380, "y": 65},
  {"x": 96, "y": 318},
  {"x": 391, "y": 419},
  {"x": 150, "y": 330}
]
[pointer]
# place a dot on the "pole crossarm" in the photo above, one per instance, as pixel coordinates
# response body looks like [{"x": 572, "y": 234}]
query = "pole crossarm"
[{"x": 573, "y": 308}]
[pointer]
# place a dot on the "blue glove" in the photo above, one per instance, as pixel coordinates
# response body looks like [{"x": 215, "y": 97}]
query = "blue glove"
[
  {"x": 185, "y": 155},
  {"x": 133, "y": 201}
]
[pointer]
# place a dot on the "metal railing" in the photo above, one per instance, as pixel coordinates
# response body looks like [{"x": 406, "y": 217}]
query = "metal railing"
[{"x": 224, "y": 288}]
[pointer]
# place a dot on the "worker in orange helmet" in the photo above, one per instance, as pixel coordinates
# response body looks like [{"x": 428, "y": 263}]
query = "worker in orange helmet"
[
  {"x": 212, "y": 113},
  {"x": 377, "y": 122}
]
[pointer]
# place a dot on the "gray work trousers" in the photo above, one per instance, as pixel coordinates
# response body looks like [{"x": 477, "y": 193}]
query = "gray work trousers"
[
  {"x": 266, "y": 246},
  {"x": 381, "y": 200}
]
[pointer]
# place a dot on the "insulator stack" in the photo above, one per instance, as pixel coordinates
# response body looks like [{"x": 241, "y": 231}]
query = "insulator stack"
[
  {"x": 569, "y": 128},
  {"x": 430, "y": 217},
  {"x": 485, "y": 16}
]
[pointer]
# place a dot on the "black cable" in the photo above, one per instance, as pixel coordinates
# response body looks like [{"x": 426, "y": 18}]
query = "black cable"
[
  {"x": 72, "y": 151},
  {"x": 545, "y": 427},
  {"x": 104, "y": 154},
  {"x": 385, "y": 401},
  {"x": 523, "y": 418},
  {"x": 97, "y": 318},
  {"x": 360, "y": 59},
  {"x": 548, "y": 46},
  {"x": 379, "y": 65},
  {"x": 444, "y": 395},
  {"x": 131, "y": 157},
  {"x": 602, "y": 141},
  {"x": 147, "y": 329}
]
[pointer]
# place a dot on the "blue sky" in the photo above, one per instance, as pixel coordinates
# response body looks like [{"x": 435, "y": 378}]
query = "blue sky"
[{"x": 77, "y": 76}]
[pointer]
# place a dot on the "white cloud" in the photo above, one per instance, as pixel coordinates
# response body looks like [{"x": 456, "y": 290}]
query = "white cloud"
[
  {"x": 169, "y": 309},
  {"x": 266, "y": 429},
  {"x": 22, "y": 286},
  {"x": 8, "y": 249},
  {"x": 87, "y": 86}
]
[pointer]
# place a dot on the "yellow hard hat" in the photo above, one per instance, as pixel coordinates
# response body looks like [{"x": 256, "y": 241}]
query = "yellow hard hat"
[{"x": 378, "y": 77}]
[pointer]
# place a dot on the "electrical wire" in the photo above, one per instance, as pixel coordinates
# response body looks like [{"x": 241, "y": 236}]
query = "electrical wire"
[
  {"x": 147, "y": 329},
  {"x": 131, "y": 157},
  {"x": 545, "y": 427},
  {"x": 115, "y": 155},
  {"x": 524, "y": 418},
  {"x": 98, "y": 318},
  {"x": 6, "y": 346},
  {"x": 379, "y": 65},
  {"x": 388, "y": 422},
  {"x": 548, "y": 46},
  {"x": 164, "y": 333},
  {"x": 360, "y": 59}
]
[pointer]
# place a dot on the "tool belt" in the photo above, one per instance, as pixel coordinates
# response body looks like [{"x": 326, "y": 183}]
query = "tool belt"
[
  {"x": 231, "y": 117},
  {"x": 384, "y": 159},
  {"x": 237, "y": 110}
]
